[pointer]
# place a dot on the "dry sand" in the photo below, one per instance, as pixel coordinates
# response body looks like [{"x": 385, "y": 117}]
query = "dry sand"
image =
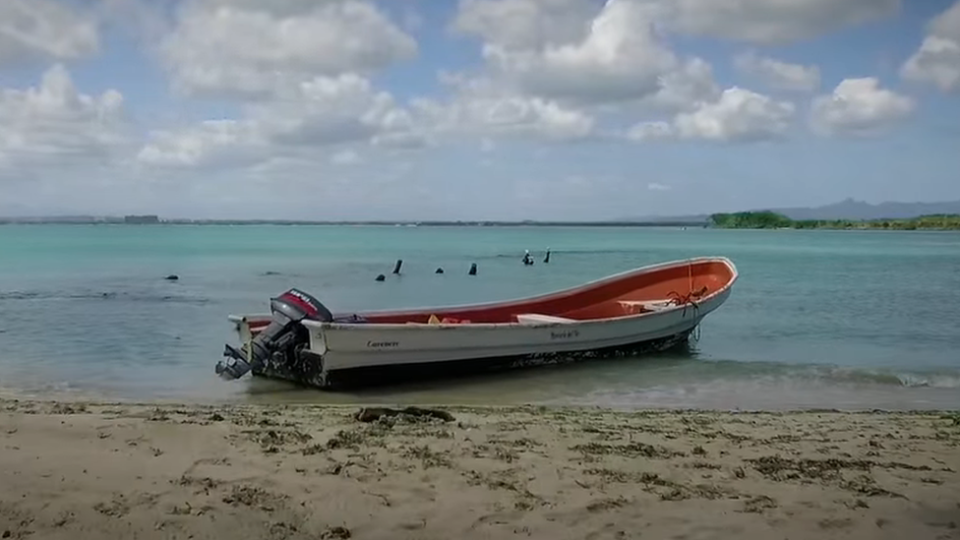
[{"x": 75, "y": 471}]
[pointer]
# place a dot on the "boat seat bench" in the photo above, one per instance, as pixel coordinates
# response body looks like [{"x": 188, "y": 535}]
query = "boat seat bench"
[
  {"x": 536, "y": 318},
  {"x": 647, "y": 305}
]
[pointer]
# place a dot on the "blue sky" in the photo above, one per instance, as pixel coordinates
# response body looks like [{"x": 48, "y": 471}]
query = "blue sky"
[{"x": 477, "y": 109}]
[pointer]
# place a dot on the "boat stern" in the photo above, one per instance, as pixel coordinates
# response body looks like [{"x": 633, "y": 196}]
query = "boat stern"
[
  {"x": 280, "y": 343},
  {"x": 299, "y": 359}
]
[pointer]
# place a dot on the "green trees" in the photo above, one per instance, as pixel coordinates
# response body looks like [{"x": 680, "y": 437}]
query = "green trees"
[
  {"x": 751, "y": 220},
  {"x": 773, "y": 220}
]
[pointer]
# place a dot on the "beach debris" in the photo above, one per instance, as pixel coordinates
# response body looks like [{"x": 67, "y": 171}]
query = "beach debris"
[
  {"x": 370, "y": 414},
  {"x": 473, "y": 269},
  {"x": 428, "y": 457},
  {"x": 254, "y": 496},
  {"x": 396, "y": 267},
  {"x": 117, "y": 507},
  {"x": 607, "y": 504},
  {"x": 954, "y": 418},
  {"x": 271, "y": 439},
  {"x": 439, "y": 271},
  {"x": 336, "y": 533},
  {"x": 628, "y": 450},
  {"x": 172, "y": 277},
  {"x": 64, "y": 408},
  {"x": 346, "y": 439},
  {"x": 758, "y": 504},
  {"x": 779, "y": 468},
  {"x": 380, "y": 277}
]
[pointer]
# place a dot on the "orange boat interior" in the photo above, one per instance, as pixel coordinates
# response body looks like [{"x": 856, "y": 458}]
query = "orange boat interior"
[{"x": 638, "y": 293}]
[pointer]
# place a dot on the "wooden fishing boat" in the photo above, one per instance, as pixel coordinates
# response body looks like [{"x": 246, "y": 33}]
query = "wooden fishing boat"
[{"x": 647, "y": 309}]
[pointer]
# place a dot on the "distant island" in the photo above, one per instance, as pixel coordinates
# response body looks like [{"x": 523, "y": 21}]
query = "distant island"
[
  {"x": 776, "y": 220},
  {"x": 846, "y": 214},
  {"x": 154, "y": 220},
  {"x": 847, "y": 209}
]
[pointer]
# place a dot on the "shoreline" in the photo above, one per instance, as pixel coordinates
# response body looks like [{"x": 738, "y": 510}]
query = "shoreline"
[
  {"x": 13, "y": 399},
  {"x": 290, "y": 471},
  {"x": 774, "y": 398}
]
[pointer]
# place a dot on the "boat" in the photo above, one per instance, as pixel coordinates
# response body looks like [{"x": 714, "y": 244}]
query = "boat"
[{"x": 647, "y": 309}]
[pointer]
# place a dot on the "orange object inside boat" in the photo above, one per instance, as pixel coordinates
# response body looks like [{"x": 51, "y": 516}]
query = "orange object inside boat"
[{"x": 618, "y": 297}]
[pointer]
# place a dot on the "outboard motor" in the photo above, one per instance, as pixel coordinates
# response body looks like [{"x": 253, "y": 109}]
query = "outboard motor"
[{"x": 282, "y": 334}]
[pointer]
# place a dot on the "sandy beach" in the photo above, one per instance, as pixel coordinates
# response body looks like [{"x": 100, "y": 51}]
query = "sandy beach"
[{"x": 73, "y": 470}]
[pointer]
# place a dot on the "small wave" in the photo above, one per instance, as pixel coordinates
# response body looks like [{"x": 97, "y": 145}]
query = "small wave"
[
  {"x": 102, "y": 295},
  {"x": 275, "y": 273},
  {"x": 904, "y": 379},
  {"x": 534, "y": 253},
  {"x": 836, "y": 374}
]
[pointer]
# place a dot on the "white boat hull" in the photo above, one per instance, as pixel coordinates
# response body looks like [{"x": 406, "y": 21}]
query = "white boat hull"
[
  {"x": 336, "y": 348},
  {"x": 356, "y": 346}
]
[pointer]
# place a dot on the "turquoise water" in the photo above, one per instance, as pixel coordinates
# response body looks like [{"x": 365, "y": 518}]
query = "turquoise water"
[{"x": 818, "y": 318}]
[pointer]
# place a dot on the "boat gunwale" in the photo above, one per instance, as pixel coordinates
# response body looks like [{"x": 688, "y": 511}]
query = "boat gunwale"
[{"x": 348, "y": 326}]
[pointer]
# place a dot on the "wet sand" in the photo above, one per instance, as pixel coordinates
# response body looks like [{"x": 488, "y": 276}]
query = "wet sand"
[{"x": 72, "y": 470}]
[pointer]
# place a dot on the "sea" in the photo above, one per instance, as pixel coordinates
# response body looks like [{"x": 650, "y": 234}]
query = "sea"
[{"x": 846, "y": 320}]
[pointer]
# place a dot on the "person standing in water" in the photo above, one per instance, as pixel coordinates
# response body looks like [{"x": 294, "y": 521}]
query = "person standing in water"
[
  {"x": 546, "y": 259},
  {"x": 527, "y": 259}
]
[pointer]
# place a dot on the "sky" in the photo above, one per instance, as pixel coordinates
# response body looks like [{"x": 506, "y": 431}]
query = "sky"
[{"x": 474, "y": 109}]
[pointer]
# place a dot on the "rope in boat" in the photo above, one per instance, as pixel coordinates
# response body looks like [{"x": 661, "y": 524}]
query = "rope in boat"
[{"x": 686, "y": 300}]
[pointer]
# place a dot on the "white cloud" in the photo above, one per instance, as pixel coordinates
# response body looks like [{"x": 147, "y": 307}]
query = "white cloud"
[
  {"x": 532, "y": 24},
  {"x": 345, "y": 157},
  {"x": 402, "y": 140},
  {"x": 777, "y": 74},
  {"x": 554, "y": 68},
  {"x": 54, "y": 124},
  {"x": 651, "y": 131},
  {"x": 654, "y": 186},
  {"x": 301, "y": 70},
  {"x": 209, "y": 143},
  {"x": 938, "y": 60},
  {"x": 506, "y": 115},
  {"x": 771, "y": 21},
  {"x": 595, "y": 61},
  {"x": 44, "y": 29},
  {"x": 525, "y": 24},
  {"x": 329, "y": 110},
  {"x": 325, "y": 111},
  {"x": 859, "y": 107},
  {"x": 258, "y": 49},
  {"x": 738, "y": 115},
  {"x": 620, "y": 58},
  {"x": 685, "y": 88}
]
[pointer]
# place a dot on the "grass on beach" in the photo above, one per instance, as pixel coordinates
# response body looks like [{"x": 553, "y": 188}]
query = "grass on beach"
[{"x": 73, "y": 470}]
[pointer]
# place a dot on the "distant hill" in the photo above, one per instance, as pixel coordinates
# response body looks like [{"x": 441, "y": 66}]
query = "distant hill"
[
  {"x": 850, "y": 209},
  {"x": 858, "y": 210}
]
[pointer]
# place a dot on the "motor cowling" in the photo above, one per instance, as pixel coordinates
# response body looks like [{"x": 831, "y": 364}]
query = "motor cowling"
[{"x": 278, "y": 338}]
